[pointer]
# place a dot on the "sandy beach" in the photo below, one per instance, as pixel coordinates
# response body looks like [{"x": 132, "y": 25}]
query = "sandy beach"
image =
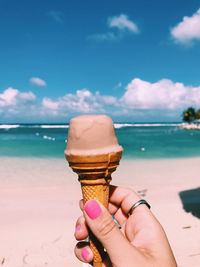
[{"x": 39, "y": 207}]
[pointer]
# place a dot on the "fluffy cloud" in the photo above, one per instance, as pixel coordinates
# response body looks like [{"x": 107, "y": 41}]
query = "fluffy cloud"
[
  {"x": 12, "y": 97},
  {"x": 164, "y": 94},
  {"x": 141, "y": 101},
  {"x": 188, "y": 29},
  {"x": 13, "y": 102},
  {"x": 37, "y": 81},
  {"x": 123, "y": 25},
  {"x": 141, "y": 97},
  {"x": 8, "y": 97},
  {"x": 109, "y": 100},
  {"x": 81, "y": 102},
  {"x": 122, "y": 22},
  {"x": 49, "y": 104}
]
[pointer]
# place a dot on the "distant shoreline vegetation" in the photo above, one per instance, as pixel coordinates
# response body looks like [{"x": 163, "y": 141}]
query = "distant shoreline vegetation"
[{"x": 192, "y": 117}]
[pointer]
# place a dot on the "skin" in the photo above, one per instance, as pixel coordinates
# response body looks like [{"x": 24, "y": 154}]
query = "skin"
[{"x": 140, "y": 242}]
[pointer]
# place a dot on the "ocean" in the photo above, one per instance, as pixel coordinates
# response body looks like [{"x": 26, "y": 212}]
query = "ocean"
[{"x": 140, "y": 141}]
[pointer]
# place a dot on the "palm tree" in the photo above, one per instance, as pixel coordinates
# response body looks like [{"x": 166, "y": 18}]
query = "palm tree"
[
  {"x": 197, "y": 115},
  {"x": 189, "y": 115}
]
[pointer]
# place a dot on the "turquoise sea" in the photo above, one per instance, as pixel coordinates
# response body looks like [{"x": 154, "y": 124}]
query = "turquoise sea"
[{"x": 140, "y": 141}]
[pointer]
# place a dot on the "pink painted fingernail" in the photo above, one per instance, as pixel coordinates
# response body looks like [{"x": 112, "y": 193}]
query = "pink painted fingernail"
[
  {"x": 78, "y": 227},
  {"x": 92, "y": 209},
  {"x": 85, "y": 254}
]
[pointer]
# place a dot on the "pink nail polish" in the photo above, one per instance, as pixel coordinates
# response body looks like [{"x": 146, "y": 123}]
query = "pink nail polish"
[
  {"x": 92, "y": 209},
  {"x": 85, "y": 254},
  {"x": 78, "y": 227}
]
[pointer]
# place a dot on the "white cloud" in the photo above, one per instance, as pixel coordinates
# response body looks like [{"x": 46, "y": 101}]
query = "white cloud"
[
  {"x": 122, "y": 22},
  {"x": 48, "y": 103},
  {"x": 162, "y": 95},
  {"x": 27, "y": 96},
  {"x": 37, "y": 81},
  {"x": 109, "y": 100},
  {"x": 8, "y": 97},
  {"x": 123, "y": 25},
  {"x": 141, "y": 101},
  {"x": 13, "y": 103},
  {"x": 82, "y": 102},
  {"x": 188, "y": 29},
  {"x": 12, "y": 97}
]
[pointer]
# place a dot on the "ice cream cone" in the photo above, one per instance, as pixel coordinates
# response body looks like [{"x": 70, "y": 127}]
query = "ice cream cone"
[
  {"x": 94, "y": 174},
  {"x": 93, "y": 161}
]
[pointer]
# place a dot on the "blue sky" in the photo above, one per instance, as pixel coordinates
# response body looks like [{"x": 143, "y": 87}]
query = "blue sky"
[{"x": 132, "y": 60}]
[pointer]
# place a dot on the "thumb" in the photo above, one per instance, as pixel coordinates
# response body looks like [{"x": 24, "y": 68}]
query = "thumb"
[{"x": 104, "y": 228}]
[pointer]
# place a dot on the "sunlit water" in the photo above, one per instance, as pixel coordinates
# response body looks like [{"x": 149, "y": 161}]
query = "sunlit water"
[{"x": 140, "y": 141}]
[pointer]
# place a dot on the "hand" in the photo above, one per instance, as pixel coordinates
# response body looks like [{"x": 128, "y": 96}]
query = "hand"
[{"x": 141, "y": 242}]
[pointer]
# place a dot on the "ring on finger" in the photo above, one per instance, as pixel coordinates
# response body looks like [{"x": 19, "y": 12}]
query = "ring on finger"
[{"x": 139, "y": 202}]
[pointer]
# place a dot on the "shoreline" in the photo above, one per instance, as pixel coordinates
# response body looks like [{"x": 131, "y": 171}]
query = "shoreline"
[
  {"x": 191, "y": 126},
  {"x": 124, "y": 158},
  {"x": 39, "y": 207}
]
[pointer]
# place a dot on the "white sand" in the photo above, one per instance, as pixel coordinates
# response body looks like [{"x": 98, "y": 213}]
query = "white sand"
[{"x": 39, "y": 206}]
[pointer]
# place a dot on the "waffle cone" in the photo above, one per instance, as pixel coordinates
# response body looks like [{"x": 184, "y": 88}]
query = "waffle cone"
[
  {"x": 94, "y": 172},
  {"x": 99, "y": 192}
]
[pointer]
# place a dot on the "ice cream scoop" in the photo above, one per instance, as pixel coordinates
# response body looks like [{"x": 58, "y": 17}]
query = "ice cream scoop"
[
  {"x": 93, "y": 153},
  {"x": 91, "y": 135}
]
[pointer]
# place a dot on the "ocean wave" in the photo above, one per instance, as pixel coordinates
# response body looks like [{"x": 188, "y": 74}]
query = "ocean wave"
[
  {"x": 54, "y": 126},
  {"x": 121, "y": 125},
  {"x": 62, "y": 126},
  {"x": 156, "y": 124},
  {"x": 8, "y": 126},
  {"x": 44, "y": 126}
]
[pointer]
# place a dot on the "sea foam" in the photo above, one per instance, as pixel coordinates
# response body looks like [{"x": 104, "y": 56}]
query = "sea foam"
[{"x": 8, "y": 126}]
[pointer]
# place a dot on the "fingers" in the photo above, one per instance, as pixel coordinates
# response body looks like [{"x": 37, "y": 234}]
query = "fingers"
[
  {"x": 81, "y": 204},
  {"x": 121, "y": 200},
  {"x": 81, "y": 230},
  {"x": 82, "y": 249},
  {"x": 83, "y": 252},
  {"x": 123, "y": 197},
  {"x": 120, "y": 197},
  {"x": 104, "y": 228}
]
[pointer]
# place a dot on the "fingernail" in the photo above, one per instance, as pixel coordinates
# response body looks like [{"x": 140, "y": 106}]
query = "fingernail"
[
  {"x": 85, "y": 254},
  {"x": 78, "y": 227},
  {"x": 92, "y": 209}
]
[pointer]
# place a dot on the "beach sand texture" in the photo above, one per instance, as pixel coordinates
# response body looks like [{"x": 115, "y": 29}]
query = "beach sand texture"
[{"x": 39, "y": 207}]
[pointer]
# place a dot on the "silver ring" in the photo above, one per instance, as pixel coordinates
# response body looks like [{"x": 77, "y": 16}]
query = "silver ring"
[{"x": 141, "y": 201}]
